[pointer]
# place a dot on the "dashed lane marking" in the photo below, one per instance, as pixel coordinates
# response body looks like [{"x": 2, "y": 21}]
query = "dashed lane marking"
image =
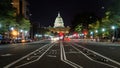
[
  {"x": 6, "y": 55},
  {"x": 51, "y": 56}
]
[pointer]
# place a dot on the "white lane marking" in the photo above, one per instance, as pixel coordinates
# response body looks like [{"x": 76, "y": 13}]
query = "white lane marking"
[
  {"x": 93, "y": 59},
  {"x": 36, "y": 59},
  {"x": 64, "y": 59},
  {"x": 70, "y": 61},
  {"x": 4, "y": 55},
  {"x": 99, "y": 55},
  {"x": 61, "y": 54},
  {"x": 51, "y": 56},
  {"x": 32, "y": 57},
  {"x": 9, "y": 65},
  {"x": 73, "y": 52}
]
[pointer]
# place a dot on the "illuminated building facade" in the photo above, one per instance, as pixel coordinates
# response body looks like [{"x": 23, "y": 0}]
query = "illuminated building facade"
[
  {"x": 59, "y": 26},
  {"x": 21, "y": 7}
]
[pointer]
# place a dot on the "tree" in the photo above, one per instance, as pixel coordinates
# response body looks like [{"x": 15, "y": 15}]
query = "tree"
[
  {"x": 24, "y": 24},
  {"x": 83, "y": 19},
  {"x": 78, "y": 28},
  {"x": 6, "y": 9},
  {"x": 114, "y": 15},
  {"x": 106, "y": 22},
  {"x": 94, "y": 26},
  {"x": 7, "y": 18}
]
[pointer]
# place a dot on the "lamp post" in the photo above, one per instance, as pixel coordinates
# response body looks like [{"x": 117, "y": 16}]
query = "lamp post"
[
  {"x": 0, "y": 33},
  {"x": 97, "y": 36},
  {"x": 113, "y": 37},
  {"x": 113, "y": 27},
  {"x": 103, "y": 30},
  {"x": 0, "y": 25},
  {"x": 91, "y": 33},
  {"x": 96, "y": 31},
  {"x": 8, "y": 35}
]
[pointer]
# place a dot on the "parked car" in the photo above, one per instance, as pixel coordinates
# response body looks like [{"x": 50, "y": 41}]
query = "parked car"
[
  {"x": 28, "y": 40},
  {"x": 6, "y": 41}
]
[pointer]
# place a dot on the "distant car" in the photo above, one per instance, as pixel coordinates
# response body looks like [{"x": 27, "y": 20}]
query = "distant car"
[
  {"x": 28, "y": 40},
  {"x": 66, "y": 39},
  {"x": 23, "y": 40},
  {"x": 18, "y": 40}
]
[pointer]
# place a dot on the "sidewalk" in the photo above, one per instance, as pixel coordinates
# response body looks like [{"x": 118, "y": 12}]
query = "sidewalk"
[
  {"x": 101, "y": 43},
  {"x": 109, "y": 43}
]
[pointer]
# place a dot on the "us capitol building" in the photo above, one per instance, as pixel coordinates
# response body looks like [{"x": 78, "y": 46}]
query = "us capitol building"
[{"x": 59, "y": 26}]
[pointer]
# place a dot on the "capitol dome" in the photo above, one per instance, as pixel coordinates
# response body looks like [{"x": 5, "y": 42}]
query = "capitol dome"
[{"x": 58, "y": 21}]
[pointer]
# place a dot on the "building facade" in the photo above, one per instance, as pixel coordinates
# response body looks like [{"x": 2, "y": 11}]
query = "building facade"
[
  {"x": 22, "y": 11},
  {"x": 21, "y": 7}
]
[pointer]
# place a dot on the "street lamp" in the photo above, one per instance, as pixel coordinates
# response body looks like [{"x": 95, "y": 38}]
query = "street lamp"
[
  {"x": 12, "y": 28},
  {"x": 91, "y": 33},
  {"x": 96, "y": 31},
  {"x": 113, "y": 27},
  {"x": 21, "y": 30},
  {"x": 97, "y": 35},
  {"x": 0, "y": 25},
  {"x": 103, "y": 29},
  {"x": 113, "y": 37}
]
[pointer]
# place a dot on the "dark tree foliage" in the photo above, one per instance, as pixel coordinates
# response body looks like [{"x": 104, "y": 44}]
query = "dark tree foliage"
[
  {"x": 8, "y": 17},
  {"x": 84, "y": 19},
  {"x": 113, "y": 6},
  {"x": 6, "y": 8}
]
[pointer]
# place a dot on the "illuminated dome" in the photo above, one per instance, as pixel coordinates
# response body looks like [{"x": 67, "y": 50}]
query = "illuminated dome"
[{"x": 58, "y": 21}]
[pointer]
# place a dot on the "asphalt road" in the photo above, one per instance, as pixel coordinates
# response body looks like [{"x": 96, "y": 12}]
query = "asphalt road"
[
  {"x": 109, "y": 50},
  {"x": 12, "y": 52},
  {"x": 59, "y": 54}
]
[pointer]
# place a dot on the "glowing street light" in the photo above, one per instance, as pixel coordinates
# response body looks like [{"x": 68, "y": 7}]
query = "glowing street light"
[
  {"x": 11, "y": 28},
  {"x": 103, "y": 29},
  {"x": 113, "y": 27},
  {"x": 91, "y": 33},
  {"x": 21, "y": 30},
  {"x": 113, "y": 37},
  {"x": 96, "y": 31}
]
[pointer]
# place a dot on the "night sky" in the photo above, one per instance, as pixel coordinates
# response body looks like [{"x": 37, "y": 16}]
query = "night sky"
[{"x": 45, "y": 11}]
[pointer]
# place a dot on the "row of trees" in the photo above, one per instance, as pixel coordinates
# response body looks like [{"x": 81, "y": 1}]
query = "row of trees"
[
  {"x": 105, "y": 23},
  {"x": 8, "y": 17},
  {"x": 111, "y": 18}
]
